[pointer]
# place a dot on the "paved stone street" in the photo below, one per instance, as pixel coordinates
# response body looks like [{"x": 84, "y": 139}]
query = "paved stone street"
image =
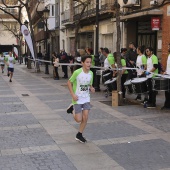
[{"x": 37, "y": 134}]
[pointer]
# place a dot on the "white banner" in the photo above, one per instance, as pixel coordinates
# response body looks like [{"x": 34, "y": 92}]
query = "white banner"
[
  {"x": 27, "y": 36},
  {"x": 15, "y": 52}
]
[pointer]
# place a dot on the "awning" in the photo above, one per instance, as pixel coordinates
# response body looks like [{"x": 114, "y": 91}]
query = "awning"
[{"x": 154, "y": 12}]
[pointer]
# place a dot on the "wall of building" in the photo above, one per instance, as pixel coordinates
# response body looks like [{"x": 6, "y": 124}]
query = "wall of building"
[
  {"x": 131, "y": 32},
  {"x": 165, "y": 33},
  {"x": 107, "y": 35}
]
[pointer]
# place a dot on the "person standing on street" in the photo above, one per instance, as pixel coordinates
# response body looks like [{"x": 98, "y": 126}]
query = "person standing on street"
[
  {"x": 152, "y": 67},
  {"x": 80, "y": 84},
  {"x": 131, "y": 57},
  {"x": 141, "y": 64},
  {"x": 2, "y": 62},
  {"x": 55, "y": 62},
  {"x": 10, "y": 61},
  {"x": 167, "y": 93},
  {"x": 40, "y": 56},
  {"x": 109, "y": 62},
  {"x": 64, "y": 60},
  {"x": 101, "y": 57}
]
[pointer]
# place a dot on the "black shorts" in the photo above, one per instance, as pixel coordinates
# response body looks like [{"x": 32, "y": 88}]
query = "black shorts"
[
  {"x": 11, "y": 69},
  {"x": 2, "y": 64}
]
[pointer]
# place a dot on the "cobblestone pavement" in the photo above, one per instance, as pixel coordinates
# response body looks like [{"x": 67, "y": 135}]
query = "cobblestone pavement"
[{"x": 37, "y": 134}]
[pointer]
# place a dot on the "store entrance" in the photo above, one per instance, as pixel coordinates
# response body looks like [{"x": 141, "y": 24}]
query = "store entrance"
[{"x": 146, "y": 36}]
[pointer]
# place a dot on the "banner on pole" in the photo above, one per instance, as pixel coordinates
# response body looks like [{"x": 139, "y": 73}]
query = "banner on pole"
[
  {"x": 27, "y": 36},
  {"x": 16, "y": 52}
]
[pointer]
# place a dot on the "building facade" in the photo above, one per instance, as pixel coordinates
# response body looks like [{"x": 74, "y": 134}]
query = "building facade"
[
  {"x": 70, "y": 15},
  {"x": 137, "y": 20},
  {"x": 9, "y": 27},
  {"x": 46, "y": 33}
]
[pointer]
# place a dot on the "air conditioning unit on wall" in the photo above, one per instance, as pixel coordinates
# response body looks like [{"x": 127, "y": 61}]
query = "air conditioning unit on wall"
[
  {"x": 129, "y": 3},
  {"x": 153, "y": 2}
]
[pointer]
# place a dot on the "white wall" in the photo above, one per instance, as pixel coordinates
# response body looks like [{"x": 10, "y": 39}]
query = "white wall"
[
  {"x": 64, "y": 40},
  {"x": 52, "y": 18},
  {"x": 107, "y": 35}
]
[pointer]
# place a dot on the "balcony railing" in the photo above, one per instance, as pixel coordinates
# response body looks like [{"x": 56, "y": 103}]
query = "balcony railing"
[
  {"x": 106, "y": 7},
  {"x": 41, "y": 35},
  {"x": 90, "y": 11},
  {"x": 66, "y": 17}
]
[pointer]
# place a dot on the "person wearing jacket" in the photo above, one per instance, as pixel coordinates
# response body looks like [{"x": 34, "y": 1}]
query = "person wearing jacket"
[{"x": 55, "y": 63}]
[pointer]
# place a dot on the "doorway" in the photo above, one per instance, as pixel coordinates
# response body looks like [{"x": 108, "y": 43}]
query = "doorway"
[{"x": 145, "y": 35}]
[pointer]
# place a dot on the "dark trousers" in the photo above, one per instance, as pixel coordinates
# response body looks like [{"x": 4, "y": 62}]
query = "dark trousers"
[
  {"x": 152, "y": 93},
  {"x": 65, "y": 71},
  {"x": 167, "y": 99},
  {"x": 56, "y": 72},
  {"x": 123, "y": 80},
  {"x": 96, "y": 79},
  {"x": 131, "y": 74}
]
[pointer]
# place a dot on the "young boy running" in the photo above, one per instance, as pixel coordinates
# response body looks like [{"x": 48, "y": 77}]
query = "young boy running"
[
  {"x": 2, "y": 62},
  {"x": 79, "y": 86},
  {"x": 10, "y": 61}
]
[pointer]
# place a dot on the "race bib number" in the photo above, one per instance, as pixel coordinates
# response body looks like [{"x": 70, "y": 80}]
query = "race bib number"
[
  {"x": 83, "y": 88},
  {"x": 10, "y": 61}
]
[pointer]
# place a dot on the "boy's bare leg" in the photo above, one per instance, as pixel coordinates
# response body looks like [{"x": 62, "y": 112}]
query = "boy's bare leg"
[
  {"x": 10, "y": 74},
  {"x": 84, "y": 120},
  {"x": 81, "y": 118}
]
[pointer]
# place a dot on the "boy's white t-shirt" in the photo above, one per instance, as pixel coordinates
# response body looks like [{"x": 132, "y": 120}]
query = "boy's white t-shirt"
[
  {"x": 11, "y": 61},
  {"x": 81, "y": 84}
]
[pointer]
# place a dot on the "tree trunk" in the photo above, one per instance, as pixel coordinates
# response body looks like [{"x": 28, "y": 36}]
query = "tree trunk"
[
  {"x": 77, "y": 25},
  {"x": 76, "y": 40},
  {"x": 119, "y": 88},
  {"x": 37, "y": 67}
]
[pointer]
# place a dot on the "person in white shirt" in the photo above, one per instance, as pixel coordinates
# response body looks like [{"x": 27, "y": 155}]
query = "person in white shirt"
[
  {"x": 167, "y": 93},
  {"x": 141, "y": 64},
  {"x": 152, "y": 67},
  {"x": 56, "y": 65},
  {"x": 10, "y": 61},
  {"x": 2, "y": 62}
]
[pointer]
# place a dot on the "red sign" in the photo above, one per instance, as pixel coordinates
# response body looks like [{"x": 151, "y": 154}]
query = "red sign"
[{"x": 155, "y": 23}]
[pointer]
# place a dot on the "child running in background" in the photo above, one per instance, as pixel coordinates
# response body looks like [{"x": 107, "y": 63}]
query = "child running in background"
[
  {"x": 10, "y": 61},
  {"x": 2, "y": 62},
  {"x": 80, "y": 84}
]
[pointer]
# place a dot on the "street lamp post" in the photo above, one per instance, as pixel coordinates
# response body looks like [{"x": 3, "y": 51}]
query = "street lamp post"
[
  {"x": 20, "y": 51},
  {"x": 46, "y": 15},
  {"x": 97, "y": 77}
]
